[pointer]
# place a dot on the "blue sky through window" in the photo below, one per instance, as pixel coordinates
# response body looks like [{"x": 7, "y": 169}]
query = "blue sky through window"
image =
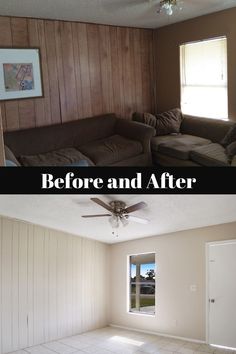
[{"x": 144, "y": 269}]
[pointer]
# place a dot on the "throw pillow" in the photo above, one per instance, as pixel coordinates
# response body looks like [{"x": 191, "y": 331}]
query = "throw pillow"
[
  {"x": 231, "y": 150},
  {"x": 169, "y": 122},
  {"x": 230, "y": 137},
  {"x": 149, "y": 119}
]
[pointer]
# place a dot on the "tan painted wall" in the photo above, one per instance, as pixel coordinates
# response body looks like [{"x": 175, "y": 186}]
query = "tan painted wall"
[
  {"x": 167, "y": 41},
  {"x": 181, "y": 262},
  {"x": 52, "y": 285}
]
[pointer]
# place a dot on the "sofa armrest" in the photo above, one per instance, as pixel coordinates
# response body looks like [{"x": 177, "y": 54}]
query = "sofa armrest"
[{"x": 135, "y": 131}]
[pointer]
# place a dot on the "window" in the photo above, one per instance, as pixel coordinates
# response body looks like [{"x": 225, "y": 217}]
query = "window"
[
  {"x": 203, "y": 69},
  {"x": 142, "y": 283}
]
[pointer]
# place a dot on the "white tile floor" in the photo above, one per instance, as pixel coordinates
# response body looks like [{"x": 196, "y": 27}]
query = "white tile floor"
[{"x": 112, "y": 340}]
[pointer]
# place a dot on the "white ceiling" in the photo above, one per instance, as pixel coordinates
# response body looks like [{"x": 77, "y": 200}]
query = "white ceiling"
[
  {"x": 133, "y": 13},
  {"x": 167, "y": 213}
]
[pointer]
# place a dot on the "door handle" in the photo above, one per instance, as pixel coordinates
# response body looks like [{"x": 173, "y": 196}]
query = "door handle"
[{"x": 212, "y": 300}]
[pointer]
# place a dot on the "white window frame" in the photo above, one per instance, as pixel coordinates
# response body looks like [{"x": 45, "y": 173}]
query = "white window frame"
[{"x": 128, "y": 310}]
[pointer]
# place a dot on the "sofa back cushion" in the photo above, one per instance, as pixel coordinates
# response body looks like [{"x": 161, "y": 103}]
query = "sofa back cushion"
[
  {"x": 54, "y": 137},
  {"x": 111, "y": 150},
  {"x": 169, "y": 122},
  {"x": 212, "y": 129},
  {"x": 164, "y": 123}
]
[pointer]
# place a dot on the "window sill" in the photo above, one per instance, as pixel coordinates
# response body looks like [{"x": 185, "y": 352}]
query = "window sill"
[{"x": 141, "y": 314}]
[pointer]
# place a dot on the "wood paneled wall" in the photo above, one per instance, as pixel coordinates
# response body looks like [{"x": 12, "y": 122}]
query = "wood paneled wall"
[
  {"x": 52, "y": 285},
  {"x": 87, "y": 70}
]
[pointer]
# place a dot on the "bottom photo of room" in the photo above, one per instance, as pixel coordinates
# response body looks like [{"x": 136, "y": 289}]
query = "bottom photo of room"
[{"x": 117, "y": 274}]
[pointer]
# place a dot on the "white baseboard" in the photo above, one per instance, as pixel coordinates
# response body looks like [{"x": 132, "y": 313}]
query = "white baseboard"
[{"x": 158, "y": 334}]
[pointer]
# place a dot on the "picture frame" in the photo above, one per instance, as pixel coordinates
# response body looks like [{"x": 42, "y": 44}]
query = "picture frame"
[{"x": 20, "y": 73}]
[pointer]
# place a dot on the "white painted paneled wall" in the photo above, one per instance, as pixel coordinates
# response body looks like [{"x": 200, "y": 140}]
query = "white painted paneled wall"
[{"x": 52, "y": 285}]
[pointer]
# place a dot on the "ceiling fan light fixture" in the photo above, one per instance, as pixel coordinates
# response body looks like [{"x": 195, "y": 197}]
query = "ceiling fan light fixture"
[
  {"x": 119, "y": 213},
  {"x": 114, "y": 221},
  {"x": 124, "y": 220},
  {"x": 168, "y": 6},
  {"x": 169, "y": 11}
]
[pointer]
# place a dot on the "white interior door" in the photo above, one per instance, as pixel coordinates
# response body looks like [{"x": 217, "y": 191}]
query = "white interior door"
[{"x": 222, "y": 294}]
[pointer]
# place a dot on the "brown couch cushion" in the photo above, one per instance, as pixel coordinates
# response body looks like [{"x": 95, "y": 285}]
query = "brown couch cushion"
[
  {"x": 165, "y": 160},
  {"x": 176, "y": 150},
  {"x": 63, "y": 157},
  {"x": 158, "y": 140},
  {"x": 179, "y": 139},
  {"x": 210, "y": 155},
  {"x": 230, "y": 137},
  {"x": 60, "y": 136},
  {"x": 111, "y": 150},
  {"x": 213, "y": 129},
  {"x": 168, "y": 122}
]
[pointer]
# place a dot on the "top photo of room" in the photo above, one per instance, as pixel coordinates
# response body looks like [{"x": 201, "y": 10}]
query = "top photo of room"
[{"x": 118, "y": 83}]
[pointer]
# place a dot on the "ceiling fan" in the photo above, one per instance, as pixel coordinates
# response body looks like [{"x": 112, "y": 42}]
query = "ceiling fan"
[
  {"x": 159, "y": 6},
  {"x": 119, "y": 213},
  {"x": 168, "y": 6}
]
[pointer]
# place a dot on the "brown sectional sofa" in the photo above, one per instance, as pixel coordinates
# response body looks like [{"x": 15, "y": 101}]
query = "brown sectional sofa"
[
  {"x": 102, "y": 141},
  {"x": 198, "y": 143}
]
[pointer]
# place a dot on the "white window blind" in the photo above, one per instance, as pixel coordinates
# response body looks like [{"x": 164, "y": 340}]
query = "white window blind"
[{"x": 204, "y": 90}]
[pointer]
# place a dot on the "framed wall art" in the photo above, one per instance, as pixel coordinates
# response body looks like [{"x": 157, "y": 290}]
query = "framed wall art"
[{"x": 20, "y": 73}]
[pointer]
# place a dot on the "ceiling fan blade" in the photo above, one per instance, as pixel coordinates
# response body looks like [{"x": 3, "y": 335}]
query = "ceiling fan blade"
[
  {"x": 138, "y": 219},
  {"x": 101, "y": 203},
  {"x": 135, "y": 207},
  {"x": 95, "y": 216}
]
